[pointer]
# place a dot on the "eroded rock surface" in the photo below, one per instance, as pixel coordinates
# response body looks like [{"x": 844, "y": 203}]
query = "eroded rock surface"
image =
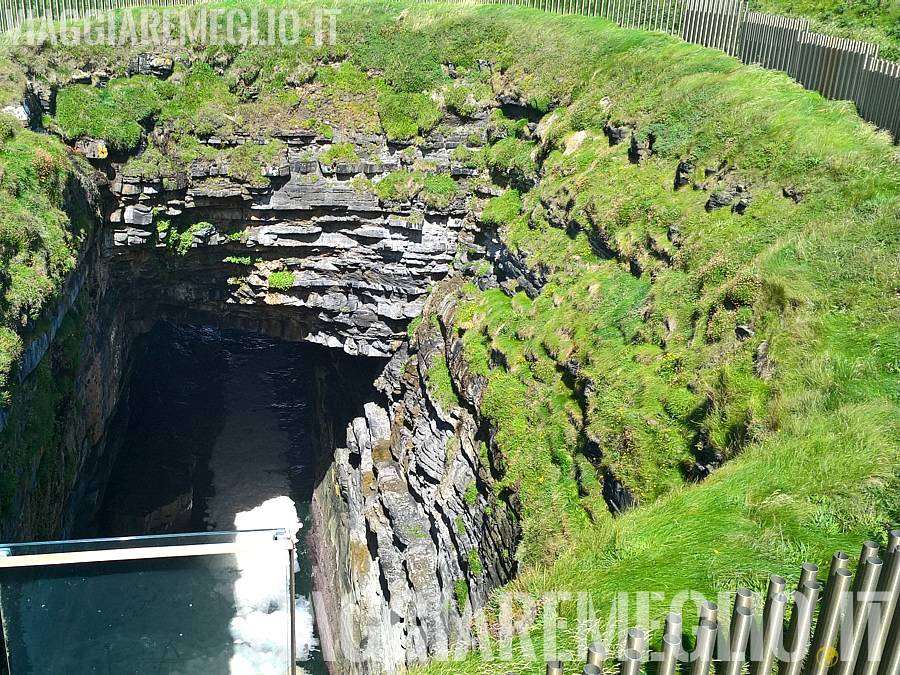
[
  {"x": 360, "y": 268},
  {"x": 412, "y": 533}
]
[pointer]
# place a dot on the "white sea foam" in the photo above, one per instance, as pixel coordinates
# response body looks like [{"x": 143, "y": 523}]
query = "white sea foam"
[
  {"x": 261, "y": 612},
  {"x": 249, "y": 471}
]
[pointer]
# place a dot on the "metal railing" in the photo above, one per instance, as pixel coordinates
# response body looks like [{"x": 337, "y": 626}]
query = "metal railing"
[
  {"x": 132, "y": 604},
  {"x": 14, "y": 13},
  {"x": 857, "y": 631}
]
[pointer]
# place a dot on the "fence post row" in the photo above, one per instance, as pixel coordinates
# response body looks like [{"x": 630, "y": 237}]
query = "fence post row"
[
  {"x": 837, "y": 68},
  {"x": 870, "y": 643}
]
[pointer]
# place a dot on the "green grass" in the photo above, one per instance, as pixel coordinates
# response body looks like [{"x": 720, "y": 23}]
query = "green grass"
[
  {"x": 38, "y": 239},
  {"x": 12, "y": 83},
  {"x": 281, "y": 281},
  {"x": 339, "y": 153},
  {"x": 201, "y": 105},
  {"x": 474, "y": 561},
  {"x": 239, "y": 260},
  {"x": 511, "y": 161},
  {"x": 645, "y": 366},
  {"x": 114, "y": 114},
  {"x": 401, "y": 186},
  {"x": 413, "y": 325},
  {"x": 245, "y": 162},
  {"x": 459, "y": 100},
  {"x": 765, "y": 513},
  {"x": 405, "y": 116},
  {"x": 471, "y": 494},
  {"x": 503, "y": 209},
  {"x": 438, "y": 190},
  {"x": 461, "y": 591},
  {"x": 440, "y": 384},
  {"x": 181, "y": 242}
]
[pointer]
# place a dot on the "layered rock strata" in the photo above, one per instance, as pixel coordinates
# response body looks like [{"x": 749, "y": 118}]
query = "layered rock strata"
[
  {"x": 359, "y": 267},
  {"x": 412, "y": 538}
]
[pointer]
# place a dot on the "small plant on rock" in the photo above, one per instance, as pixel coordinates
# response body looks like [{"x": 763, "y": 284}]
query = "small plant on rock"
[
  {"x": 181, "y": 242},
  {"x": 281, "y": 281},
  {"x": 461, "y": 591},
  {"x": 720, "y": 322},
  {"x": 475, "y": 562},
  {"x": 400, "y": 186},
  {"x": 438, "y": 190},
  {"x": 339, "y": 153},
  {"x": 502, "y": 210}
]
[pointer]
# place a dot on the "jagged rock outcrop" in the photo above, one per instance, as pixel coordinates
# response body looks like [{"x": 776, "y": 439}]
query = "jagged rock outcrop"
[
  {"x": 640, "y": 150},
  {"x": 412, "y": 535},
  {"x": 150, "y": 64},
  {"x": 683, "y": 173}
]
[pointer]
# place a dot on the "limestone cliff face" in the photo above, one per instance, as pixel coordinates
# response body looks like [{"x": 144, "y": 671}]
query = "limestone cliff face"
[
  {"x": 412, "y": 536},
  {"x": 70, "y": 384},
  {"x": 359, "y": 268}
]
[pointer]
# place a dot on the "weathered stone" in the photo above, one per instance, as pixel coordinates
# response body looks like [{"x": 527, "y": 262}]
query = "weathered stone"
[
  {"x": 138, "y": 215},
  {"x": 615, "y": 134},
  {"x": 148, "y": 64},
  {"x": 617, "y": 496},
  {"x": 403, "y": 479},
  {"x": 303, "y": 74},
  {"x": 21, "y": 112},
  {"x": 276, "y": 170},
  {"x": 683, "y": 174},
  {"x": 45, "y": 92},
  {"x": 719, "y": 200},
  {"x": 740, "y": 206},
  {"x": 763, "y": 363},
  {"x": 674, "y": 234},
  {"x": 793, "y": 194},
  {"x": 92, "y": 148},
  {"x": 640, "y": 150},
  {"x": 744, "y": 332},
  {"x": 79, "y": 76},
  {"x": 99, "y": 78},
  {"x": 343, "y": 169},
  {"x": 456, "y": 170},
  {"x": 305, "y": 167}
]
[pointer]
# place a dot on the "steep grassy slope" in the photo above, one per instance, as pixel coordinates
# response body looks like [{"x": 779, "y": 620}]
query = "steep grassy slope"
[
  {"x": 638, "y": 353},
  {"x": 38, "y": 241}
]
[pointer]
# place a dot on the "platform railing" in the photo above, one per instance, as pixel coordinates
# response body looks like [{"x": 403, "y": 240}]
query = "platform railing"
[{"x": 205, "y": 602}]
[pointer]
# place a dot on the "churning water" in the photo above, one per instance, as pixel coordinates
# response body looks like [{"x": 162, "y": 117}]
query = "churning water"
[{"x": 221, "y": 435}]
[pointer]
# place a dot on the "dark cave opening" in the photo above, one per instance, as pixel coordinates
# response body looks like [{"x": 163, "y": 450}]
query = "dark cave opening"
[{"x": 215, "y": 425}]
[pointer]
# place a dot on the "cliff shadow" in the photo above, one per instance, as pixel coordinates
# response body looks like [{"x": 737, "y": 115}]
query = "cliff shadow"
[{"x": 223, "y": 429}]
